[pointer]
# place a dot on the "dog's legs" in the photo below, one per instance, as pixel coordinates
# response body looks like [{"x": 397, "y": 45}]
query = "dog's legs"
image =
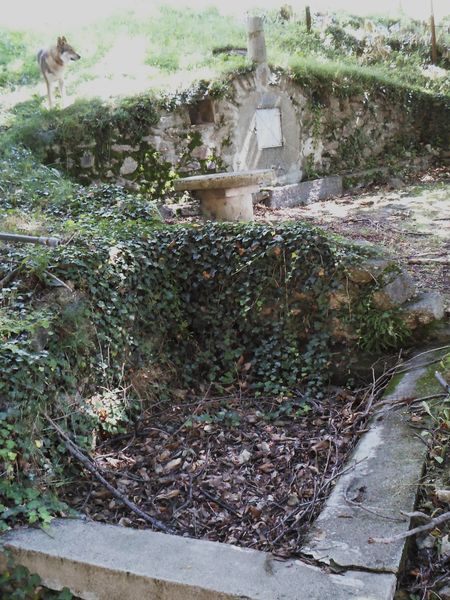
[
  {"x": 62, "y": 91},
  {"x": 49, "y": 93}
]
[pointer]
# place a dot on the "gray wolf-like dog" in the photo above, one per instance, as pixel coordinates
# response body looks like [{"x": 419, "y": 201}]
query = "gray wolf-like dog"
[{"x": 52, "y": 63}]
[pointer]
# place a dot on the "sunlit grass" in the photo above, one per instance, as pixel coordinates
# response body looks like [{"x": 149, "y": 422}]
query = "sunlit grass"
[{"x": 156, "y": 47}]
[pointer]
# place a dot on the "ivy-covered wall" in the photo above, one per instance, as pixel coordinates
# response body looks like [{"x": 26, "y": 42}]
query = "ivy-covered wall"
[
  {"x": 257, "y": 306},
  {"x": 130, "y": 312}
]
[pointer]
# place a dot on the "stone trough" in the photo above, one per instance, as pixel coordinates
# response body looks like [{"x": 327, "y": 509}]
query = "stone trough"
[
  {"x": 226, "y": 196},
  {"x": 338, "y": 562}
]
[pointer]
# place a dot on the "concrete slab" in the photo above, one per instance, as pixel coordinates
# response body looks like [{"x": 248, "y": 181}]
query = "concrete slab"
[
  {"x": 106, "y": 562},
  {"x": 382, "y": 480},
  {"x": 306, "y": 192},
  {"x": 216, "y": 181}
]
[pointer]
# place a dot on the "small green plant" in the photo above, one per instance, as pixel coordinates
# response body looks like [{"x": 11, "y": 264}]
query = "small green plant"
[
  {"x": 21, "y": 500},
  {"x": 380, "y": 330},
  {"x": 17, "y": 583}
]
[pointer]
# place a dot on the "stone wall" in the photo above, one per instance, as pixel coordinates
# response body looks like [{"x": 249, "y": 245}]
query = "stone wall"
[
  {"x": 321, "y": 134},
  {"x": 394, "y": 289}
]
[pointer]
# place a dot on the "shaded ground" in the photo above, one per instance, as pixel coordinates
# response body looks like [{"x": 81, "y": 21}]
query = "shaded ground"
[
  {"x": 242, "y": 471},
  {"x": 411, "y": 222}
]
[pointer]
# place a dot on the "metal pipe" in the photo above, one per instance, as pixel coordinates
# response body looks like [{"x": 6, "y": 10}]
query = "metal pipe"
[{"x": 29, "y": 239}]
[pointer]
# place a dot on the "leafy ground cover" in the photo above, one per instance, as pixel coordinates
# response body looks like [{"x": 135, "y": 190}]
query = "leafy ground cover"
[
  {"x": 131, "y": 311},
  {"x": 410, "y": 217},
  {"x": 247, "y": 471},
  {"x": 186, "y": 444}
]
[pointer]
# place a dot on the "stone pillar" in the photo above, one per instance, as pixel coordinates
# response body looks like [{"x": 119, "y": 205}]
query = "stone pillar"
[
  {"x": 257, "y": 51},
  {"x": 256, "y": 41}
]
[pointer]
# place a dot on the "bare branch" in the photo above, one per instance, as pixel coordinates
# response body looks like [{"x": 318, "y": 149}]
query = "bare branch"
[
  {"x": 401, "y": 536},
  {"x": 89, "y": 465}
]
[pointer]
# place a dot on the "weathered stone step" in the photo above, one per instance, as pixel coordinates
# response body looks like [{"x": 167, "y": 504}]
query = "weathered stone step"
[
  {"x": 107, "y": 562},
  {"x": 305, "y": 192}
]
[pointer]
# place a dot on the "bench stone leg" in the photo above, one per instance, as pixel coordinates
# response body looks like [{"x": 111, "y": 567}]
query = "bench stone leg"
[{"x": 233, "y": 204}]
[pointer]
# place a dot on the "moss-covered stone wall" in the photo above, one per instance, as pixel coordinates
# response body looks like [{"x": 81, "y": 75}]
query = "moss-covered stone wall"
[{"x": 326, "y": 129}]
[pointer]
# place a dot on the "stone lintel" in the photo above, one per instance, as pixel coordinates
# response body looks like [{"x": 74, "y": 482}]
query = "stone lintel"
[{"x": 305, "y": 192}]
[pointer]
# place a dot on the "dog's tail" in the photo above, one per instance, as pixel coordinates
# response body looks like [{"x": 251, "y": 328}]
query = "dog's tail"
[{"x": 39, "y": 56}]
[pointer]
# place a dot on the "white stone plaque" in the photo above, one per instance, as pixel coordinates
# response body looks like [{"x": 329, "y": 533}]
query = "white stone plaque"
[{"x": 268, "y": 128}]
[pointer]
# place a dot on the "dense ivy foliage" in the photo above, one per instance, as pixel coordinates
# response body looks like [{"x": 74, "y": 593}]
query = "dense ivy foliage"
[
  {"x": 221, "y": 303},
  {"x": 17, "y": 583},
  {"x": 82, "y": 122}
]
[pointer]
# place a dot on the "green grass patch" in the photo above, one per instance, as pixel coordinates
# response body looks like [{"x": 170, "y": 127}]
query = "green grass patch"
[{"x": 18, "y": 64}]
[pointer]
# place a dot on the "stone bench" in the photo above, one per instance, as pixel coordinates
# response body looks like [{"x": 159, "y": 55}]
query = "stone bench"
[{"x": 226, "y": 196}]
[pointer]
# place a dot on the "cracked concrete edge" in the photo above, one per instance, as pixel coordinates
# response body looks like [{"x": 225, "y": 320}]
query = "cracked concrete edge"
[
  {"x": 382, "y": 479},
  {"x": 108, "y": 562}
]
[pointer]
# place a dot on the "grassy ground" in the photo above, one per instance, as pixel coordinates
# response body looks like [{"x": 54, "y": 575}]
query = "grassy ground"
[{"x": 165, "y": 48}]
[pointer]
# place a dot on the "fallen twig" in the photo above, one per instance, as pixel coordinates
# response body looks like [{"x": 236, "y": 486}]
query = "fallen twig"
[
  {"x": 58, "y": 280},
  {"x": 401, "y": 536},
  {"x": 428, "y": 253},
  {"x": 410, "y": 401},
  {"x": 416, "y": 514},
  {"x": 8, "y": 277},
  {"x": 220, "y": 502},
  {"x": 89, "y": 465},
  {"x": 319, "y": 494},
  {"x": 369, "y": 509},
  {"x": 442, "y": 260}
]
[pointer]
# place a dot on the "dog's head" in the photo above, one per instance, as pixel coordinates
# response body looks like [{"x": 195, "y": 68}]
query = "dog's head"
[{"x": 66, "y": 51}]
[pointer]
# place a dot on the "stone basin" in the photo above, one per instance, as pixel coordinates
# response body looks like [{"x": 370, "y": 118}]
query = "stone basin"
[{"x": 226, "y": 196}]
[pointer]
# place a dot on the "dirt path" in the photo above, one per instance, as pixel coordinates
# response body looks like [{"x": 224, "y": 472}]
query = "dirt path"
[{"x": 412, "y": 222}]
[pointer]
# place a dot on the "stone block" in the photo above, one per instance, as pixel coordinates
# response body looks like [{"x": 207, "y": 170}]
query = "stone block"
[
  {"x": 338, "y": 299},
  {"x": 124, "y": 148},
  {"x": 129, "y": 166},
  {"x": 428, "y": 308},
  {"x": 343, "y": 295},
  {"x": 305, "y": 192},
  {"x": 342, "y": 332},
  {"x": 395, "y": 293},
  {"x": 369, "y": 270},
  {"x": 107, "y": 562},
  {"x": 86, "y": 145},
  {"x": 87, "y": 160},
  {"x": 186, "y": 209}
]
